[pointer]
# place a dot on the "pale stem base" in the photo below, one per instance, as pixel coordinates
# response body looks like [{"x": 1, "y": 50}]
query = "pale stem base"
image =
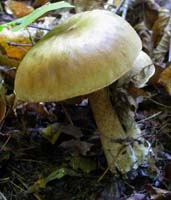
[{"x": 118, "y": 151}]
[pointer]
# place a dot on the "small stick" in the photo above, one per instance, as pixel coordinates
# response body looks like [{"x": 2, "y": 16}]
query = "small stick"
[
  {"x": 125, "y": 8},
  {"x": 150, "y": 117},
  {"x": 38, "y": 27},
  {"x": 119, "y": 6},
  {"x": 18, "y": 45}
]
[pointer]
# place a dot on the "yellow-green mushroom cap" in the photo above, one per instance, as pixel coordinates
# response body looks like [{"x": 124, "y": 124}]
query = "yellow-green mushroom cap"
[{"x": 85, "y": 53}]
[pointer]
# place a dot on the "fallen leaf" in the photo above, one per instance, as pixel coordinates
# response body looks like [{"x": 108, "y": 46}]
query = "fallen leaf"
[
  {"x": 72, "y": 130},
  {"x": 20, "y": 39},
  {"x": 136, "y": 92},
  {"x": 19, "y": 9},
  {"x": 161, "y": 49},
  {"x": 155, "y": 78},
  {"x": 55, "y": 174},
  {"x": 51, "y": 132},
  {"x": 159, "y": 25},
  {"x": 165, "y": 79},
  {"x": 145, "y": 35}
]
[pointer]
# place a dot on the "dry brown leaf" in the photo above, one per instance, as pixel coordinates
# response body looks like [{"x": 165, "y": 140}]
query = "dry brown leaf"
[
  {"x": 162, "y": 47},
  {"x": 151, "y": 12},
  {"x": 18, "y": 8},
  {"x": 159, "y": 25},
  {"x": 136, "y": 92},
  {"x": 14, "y": 51},
  {"x": 155, "y": 78},
  {"x": 147, "y": 9},
  {"x": 165, "y": 79},
  {"x": 145, "y": 35}
]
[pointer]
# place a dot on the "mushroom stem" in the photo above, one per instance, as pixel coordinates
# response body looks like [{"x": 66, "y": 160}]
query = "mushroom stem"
[{"x": 118, "y": 152}]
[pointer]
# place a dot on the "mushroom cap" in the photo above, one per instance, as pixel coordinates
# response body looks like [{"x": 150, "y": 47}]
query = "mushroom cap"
[
  {"x": 87, "y": 52},
  {"x": 142, "y": 70}
]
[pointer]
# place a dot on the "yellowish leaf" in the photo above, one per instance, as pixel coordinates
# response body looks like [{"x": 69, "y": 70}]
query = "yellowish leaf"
[
  {"x": 52, "y": 132},
  {"x": 8, "y": 38}
]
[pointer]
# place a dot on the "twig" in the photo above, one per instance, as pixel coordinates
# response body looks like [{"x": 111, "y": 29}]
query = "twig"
[
  {"x": 2, "y": 197},
  {"x": 67, "y": 115},
  {"x": 158, "y": 103},
  {"x": 125, "y": 8},
  {"x": 119, "y": 6},
  {"x": 18, "y": 45},
  {"x": 6, "y": 142},
  {"x": 112, "y": 164},
  {"x": 38, "y": 27},
  {"x": 150, "y": 117},
  {"x": 17, "y": 186}
]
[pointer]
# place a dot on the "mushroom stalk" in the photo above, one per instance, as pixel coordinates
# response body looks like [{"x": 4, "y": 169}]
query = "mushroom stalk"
[{"x": 118, "y": 152}]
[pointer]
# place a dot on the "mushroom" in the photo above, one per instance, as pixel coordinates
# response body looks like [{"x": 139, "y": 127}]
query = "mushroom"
[{"x": 79, "y": 57}]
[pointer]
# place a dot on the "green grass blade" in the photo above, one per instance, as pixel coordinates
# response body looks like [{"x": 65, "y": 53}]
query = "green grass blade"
[{"x": 27, "y": 20}]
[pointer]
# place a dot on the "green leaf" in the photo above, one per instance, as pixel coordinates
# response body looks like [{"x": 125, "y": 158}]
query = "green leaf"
[
  {"x": 26, "y": 20},
  {"x": 52, "y": 132},
  {"x": 55, "y": 174}
]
